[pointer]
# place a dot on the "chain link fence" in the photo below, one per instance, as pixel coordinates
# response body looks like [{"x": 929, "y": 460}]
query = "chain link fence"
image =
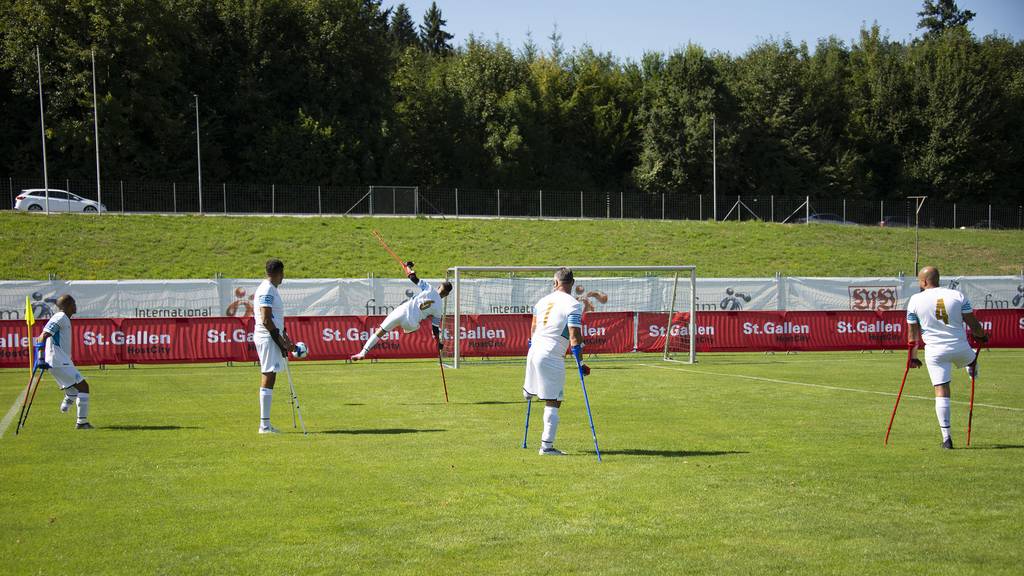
[{"x": 133, "y": 196}]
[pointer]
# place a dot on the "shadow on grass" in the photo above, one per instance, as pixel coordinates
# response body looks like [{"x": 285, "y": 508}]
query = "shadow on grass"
[
  {"x": 669, "y": 453},
  {"x": 142, "y": 427},
  {"x": 481, "y": 403},
  {"x": 997, "y": 447},
  {"x": 384, "y": 431}
]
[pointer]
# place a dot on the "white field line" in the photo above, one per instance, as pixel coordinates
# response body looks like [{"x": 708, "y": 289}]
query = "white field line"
[
  {"x": 809, "y": 385},
  {"x": 10, "y": 414}
]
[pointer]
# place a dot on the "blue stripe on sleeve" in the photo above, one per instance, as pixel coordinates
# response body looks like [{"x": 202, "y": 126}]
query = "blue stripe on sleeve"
[
  {"x": 51, "y": 328},
  {"x": 424, "y": 285},
  {"x": 575, "y": 320},
  {"x": 912, "y": 318},
  {"x": 267, "y": 300},
  {"x": 966, "y": 308}
]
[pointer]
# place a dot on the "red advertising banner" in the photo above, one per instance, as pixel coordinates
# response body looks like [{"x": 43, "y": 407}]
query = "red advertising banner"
[{"x": 224, "y": 339}]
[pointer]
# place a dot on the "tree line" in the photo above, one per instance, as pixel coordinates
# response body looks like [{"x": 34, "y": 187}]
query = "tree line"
[{"x": 347, "y": 92}]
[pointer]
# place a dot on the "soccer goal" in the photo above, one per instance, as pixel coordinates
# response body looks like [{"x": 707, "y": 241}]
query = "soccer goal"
[{"x": 626, "y": 310}]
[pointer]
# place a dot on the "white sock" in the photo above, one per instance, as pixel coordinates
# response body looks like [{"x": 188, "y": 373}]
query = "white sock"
[
  {"x": 266, "y": 395},
  {"x": 942, "y": 412},
  {"x": 550, "y": 427},
  {"x": 370, "y": 343},
  {"x": 83, "y": 407}
]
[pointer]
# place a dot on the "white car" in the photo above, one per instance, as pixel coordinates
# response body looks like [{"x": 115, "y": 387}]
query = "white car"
[{"x": 34, "y": 200}]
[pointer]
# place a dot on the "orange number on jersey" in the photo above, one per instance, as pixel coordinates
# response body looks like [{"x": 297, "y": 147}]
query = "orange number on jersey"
[
  {"x": 940, "y": 311},
  {"x": 547, "y": 311}
]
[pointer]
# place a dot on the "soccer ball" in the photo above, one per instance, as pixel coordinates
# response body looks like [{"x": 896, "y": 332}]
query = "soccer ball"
[{"x": 301, "y": 350}]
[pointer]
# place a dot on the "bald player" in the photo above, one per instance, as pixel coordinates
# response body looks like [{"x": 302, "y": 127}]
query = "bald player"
[
  {"x": 938, "y": 316},
  {"x": 55, "y": 343}
]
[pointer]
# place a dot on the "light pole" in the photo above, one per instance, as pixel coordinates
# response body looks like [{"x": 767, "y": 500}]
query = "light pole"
[
  {"x": 199, "y": 160},
  {"x": 714, "y": 167},
  {"x": 919, "y": 202},
  {"x": 96, "y": 130},
  {"x": 42, "y": 130}
]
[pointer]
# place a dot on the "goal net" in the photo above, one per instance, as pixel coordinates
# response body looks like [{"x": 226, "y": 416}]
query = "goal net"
[{"x": 626, "y": 310}]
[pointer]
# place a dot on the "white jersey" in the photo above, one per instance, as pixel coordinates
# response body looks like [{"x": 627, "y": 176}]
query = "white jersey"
[
  {"x": 267, "y": 296},
  {"x": 940, "y": 313},
  {"x": 58, "y": 345},
  {"x": 553, "y": 315},
  {"x": 425, "y": 304}
]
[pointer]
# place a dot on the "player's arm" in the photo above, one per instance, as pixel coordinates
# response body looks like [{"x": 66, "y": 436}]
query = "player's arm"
[
  {"x": 279, "y": 338},
  {"x": 977, "y": 331},
  {"x": 422, "y": 285},
  {"x": 435, "y": 327},
  {"x": 575, "y": 325},
  {"x": 913, "y": 337}
]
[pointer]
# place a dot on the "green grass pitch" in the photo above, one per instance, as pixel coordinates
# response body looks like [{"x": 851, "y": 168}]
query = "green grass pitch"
[{"x": 741, "y": 464}]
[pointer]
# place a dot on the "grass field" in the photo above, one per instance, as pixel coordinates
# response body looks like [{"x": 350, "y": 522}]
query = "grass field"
[
  {"x": 127, "y": 247},
  {"x": 741, "y": 464}
]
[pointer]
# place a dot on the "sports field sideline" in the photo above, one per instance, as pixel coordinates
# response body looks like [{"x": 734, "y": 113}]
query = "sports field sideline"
[{"x": 742, "y": 463}]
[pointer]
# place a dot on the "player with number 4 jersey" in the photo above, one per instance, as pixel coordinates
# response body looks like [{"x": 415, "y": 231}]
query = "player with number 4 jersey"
[{"x": 938, "y": 316}]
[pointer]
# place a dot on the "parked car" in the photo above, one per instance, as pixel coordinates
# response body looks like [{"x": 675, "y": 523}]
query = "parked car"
[
  {"x": 825, "y": 218},
  {"x": 892, "y": 222},
  {"x": 34, "y": 200}
]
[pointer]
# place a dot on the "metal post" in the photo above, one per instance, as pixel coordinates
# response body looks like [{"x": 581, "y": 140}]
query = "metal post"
[
  {"x": 10, "y": 185},
  {"x": 499, "y": 202},
  {"x": 919, "y": 202},
  {"x": 96, "y": 131},
  {"x": 739, "y": 211},
  {"x": 662, "y": 205},
  {"x": 42, "y": 131},
  {"x": 807, "y": 210},
  {"x": 415, "y": 200},
  {"x": 394, "y": 202},
  {"x": 458, "y": 316},
  {"x": 844, "y": 209},
  {"x": 773, "y": 207},
  {"x": 881, "y": 210},
  {"x": 608, "y": 206},
  {"x": 622, "y": 204},
  {"x": 224, "y": 190},
  {"x": 122, "y": 196},
  {"x": 700, "y": 206},
  {"x": 581, "y": 204},
  {"x": 369, "y": 192},
  {"x": 541, "y": 192},
  {"x": 954, "y": 215},
  {"x": 319, "y": 203},
  {"x": 714, "y": 165},
  {"x": 989, "y": 216},
  {"x": 456, "y": 202},
  {"x": 273, "y": 198},
  {"x": 174, "y": 196},
  {"x": 199, "y": 160}
]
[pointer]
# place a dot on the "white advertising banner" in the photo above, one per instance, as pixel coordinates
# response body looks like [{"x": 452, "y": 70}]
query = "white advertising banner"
[{"x": 378, "y": 296}]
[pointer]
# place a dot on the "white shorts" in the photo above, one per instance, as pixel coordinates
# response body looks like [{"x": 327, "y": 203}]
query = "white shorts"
[
  {"x": 545, "y": 375},
  {"x": 66, "y": 374},
  {"x": 940, "y": 363},
  {"x": 271, "y": 359},
  {"x": 397, "y": 319}
]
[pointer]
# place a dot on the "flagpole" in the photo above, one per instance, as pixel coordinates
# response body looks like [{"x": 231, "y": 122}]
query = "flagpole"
[
  {"x": 42, "y": 130},
  {"x": 96, "y": 131}
]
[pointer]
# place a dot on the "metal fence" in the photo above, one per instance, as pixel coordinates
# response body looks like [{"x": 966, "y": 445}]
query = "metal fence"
[{"x": 132, "y": 196}]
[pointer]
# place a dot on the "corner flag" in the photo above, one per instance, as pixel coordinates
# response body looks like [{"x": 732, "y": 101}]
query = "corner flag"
[{"x": 30, "y": 320}]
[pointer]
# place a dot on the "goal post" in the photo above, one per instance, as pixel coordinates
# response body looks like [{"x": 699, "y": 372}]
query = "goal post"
[{"x": 626, "y": 309}]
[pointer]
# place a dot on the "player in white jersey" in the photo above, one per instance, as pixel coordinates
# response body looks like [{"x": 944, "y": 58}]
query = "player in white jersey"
[
  {"x": 938, "y": 316},
  {"x": 55, "y": 343},
  {"x": 557, "y": 323},
  {"x": 409, "y": 314},
  {"x": 271, "y": 339}
]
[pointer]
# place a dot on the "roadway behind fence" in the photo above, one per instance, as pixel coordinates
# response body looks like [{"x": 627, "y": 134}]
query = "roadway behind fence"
[{"x": 132, "y": 196}]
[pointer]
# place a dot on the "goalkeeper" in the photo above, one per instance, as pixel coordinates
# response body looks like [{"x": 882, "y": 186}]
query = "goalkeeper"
[
  {"x": 410, "y": 313},
  {"x": 557, "y": 322}
]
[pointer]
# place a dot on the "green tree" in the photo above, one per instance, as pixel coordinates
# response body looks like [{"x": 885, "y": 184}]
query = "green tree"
[
  {"x": 403, "y": 30},
  {"x": 940, "y": 15},
  {"x": 432, "y": 33}
]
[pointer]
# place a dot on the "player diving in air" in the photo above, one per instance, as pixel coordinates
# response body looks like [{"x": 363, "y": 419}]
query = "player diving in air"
[{"x": 410, "y": 313}]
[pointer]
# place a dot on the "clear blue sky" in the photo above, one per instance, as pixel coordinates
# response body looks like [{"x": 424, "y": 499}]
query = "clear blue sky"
[{"x": 628, "y": 28}]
